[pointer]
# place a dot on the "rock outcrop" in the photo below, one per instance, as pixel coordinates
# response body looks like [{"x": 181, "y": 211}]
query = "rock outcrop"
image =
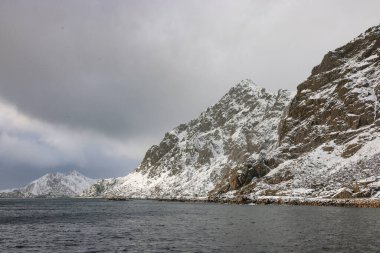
[{"x": 338, "y": 101}]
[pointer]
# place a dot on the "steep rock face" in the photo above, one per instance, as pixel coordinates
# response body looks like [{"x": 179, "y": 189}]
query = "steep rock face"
[
  {"x": 194, "y": 157},
  {"x": 329, "y": 140},
  {"x": 53, "y": 185},
  {"x": 338, "y": 101}
]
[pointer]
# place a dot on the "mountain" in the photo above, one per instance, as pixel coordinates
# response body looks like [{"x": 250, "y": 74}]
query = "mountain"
[
  {"x": 322, "y": 142},
  {"x": 329, "y": 142},
  {"x": 53, "y": 185},
  {"x": 193, "y": 157}
]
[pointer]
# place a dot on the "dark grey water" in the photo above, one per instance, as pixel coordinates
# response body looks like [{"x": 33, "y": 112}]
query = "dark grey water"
[{"x": 77, "y": 225}]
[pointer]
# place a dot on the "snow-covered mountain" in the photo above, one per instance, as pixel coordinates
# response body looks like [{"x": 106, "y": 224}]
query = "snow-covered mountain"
[
  {"x": 53, "y": 185},
  {"x": 194, "y": 157},
  {"x": 329, "y": 141},
  {"x": 323, "y": 142}
]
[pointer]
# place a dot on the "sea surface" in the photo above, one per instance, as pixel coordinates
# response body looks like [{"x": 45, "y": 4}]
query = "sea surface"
[{"x": 93, "y": 225}]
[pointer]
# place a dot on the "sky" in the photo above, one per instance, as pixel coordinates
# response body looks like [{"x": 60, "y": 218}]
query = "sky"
[{"x": 91, "y": 85}]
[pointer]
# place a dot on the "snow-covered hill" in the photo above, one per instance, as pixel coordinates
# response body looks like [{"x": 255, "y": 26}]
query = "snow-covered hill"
[
  {"x": 53, "y": 185},
  {"x": 323, "y": 142},
  {"x": 194, "y": 157}
]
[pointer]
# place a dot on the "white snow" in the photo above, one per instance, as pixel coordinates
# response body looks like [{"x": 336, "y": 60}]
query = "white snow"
[{"x": 56, "y": 184}]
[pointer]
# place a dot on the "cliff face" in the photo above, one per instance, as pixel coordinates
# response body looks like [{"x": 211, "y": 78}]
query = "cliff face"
[
  {"x": 194, "y": 157},
  {"x": 338, "y": 101}
]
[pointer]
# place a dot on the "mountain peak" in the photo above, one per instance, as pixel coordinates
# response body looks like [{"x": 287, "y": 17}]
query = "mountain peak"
[
  {"x": 248, "y": 85},
  {"x": 372, "y": 30},
  {"x": 74, "y": 173},
  {"x": 193, "y": 157}
]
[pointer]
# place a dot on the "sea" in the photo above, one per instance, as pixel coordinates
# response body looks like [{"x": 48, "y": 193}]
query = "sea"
[{"x": 97, "y": 225}]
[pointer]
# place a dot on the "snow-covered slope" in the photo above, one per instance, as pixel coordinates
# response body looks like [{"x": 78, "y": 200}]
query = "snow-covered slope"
[
  {"x": 194, "y": 157},
  {"x": 54, "y": 185}
]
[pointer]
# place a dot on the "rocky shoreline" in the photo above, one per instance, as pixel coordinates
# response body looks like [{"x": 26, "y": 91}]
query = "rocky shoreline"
[
  {"x": 301, "y": 201},
  {"x": 284, "y": 200},
  {"x": 258, "y": 200}
]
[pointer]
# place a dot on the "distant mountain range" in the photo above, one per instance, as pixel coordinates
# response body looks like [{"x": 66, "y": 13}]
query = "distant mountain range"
[
  {"x": 322, "y": 141},
  {"x": 57, "y": 184}
]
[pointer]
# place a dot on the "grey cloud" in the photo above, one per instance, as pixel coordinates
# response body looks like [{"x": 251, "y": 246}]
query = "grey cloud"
[{"x": 140, "y": 67}]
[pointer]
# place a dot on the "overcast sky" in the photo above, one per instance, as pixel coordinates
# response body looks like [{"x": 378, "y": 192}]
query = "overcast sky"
[{"x": 91, "y": 85}]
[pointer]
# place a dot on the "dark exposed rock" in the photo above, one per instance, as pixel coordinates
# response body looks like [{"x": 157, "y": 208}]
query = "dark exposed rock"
[
  {"x": 279, "y": 177},
  {"x": 351, "y": 149},
  {"x": 362, "y": 194},
  {"x": 241, "y": 176},
  {"x": 331, "y": 100},
  {"x": 344, "y": 193}
]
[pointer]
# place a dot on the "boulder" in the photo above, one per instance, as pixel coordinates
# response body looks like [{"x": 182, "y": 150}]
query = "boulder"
[{"x": 343, "y": 193}]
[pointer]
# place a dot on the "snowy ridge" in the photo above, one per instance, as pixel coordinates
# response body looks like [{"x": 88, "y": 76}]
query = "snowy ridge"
[
  {"x": 194, "y": 157},
  {"x": 53, "y": 185}
]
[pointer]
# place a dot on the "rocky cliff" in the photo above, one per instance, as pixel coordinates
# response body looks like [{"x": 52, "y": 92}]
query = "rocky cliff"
[
  {"x": 329, "y": 140},
  {"x": 338, "y": 101}
]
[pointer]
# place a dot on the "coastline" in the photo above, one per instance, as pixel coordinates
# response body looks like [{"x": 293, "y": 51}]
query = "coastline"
[
  {"x": 256, "y": 200},
  {"x": 281, "y": 200},
  {"x": 302, "y": 201}
]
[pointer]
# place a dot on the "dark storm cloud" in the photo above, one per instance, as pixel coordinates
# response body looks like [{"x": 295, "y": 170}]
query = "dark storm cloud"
[{"x": 127, "y": 71}]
